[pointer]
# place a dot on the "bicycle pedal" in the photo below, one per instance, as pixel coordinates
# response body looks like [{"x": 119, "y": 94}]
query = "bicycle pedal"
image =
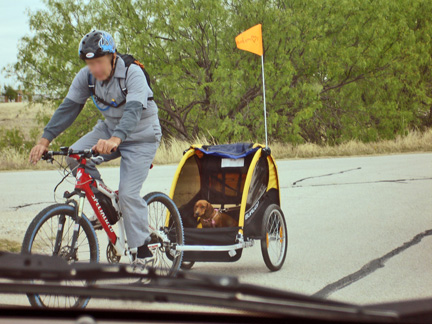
[{"x": 153, "y": 246}]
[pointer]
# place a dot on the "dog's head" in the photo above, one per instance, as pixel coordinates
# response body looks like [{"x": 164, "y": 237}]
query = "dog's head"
[{"x": 203, "y": 209}]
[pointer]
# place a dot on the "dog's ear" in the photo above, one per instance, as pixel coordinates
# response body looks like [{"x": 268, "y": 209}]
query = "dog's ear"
[
  {"x": 194, "y": 209},
  {"x": 209, "y": 209}
]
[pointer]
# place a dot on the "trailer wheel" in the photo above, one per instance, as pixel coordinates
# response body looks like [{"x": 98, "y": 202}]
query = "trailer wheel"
[{"x": 274, "y": 242}]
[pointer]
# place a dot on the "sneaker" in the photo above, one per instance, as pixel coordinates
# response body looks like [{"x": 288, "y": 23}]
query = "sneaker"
[
  {"x": 95, "y": 223},
  {"x": 143, "y": 265}
]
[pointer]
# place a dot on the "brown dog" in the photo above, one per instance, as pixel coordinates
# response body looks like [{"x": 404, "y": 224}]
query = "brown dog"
[{"x": 211, "y": 217}]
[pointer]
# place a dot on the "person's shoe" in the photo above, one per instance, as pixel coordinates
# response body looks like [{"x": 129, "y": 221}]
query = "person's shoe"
[
  {"x": 143, "y": 265},
  {"x": 95, "y": 223}
]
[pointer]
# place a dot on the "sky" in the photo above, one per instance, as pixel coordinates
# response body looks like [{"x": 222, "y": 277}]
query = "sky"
[{"x": 13, "y": 25}]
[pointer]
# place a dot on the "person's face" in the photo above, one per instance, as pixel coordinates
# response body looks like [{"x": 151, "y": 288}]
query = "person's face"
[{"x": 100, "y": 67}]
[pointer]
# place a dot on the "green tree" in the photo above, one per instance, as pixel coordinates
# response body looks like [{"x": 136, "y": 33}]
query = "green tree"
[
  {"x": 335, "y": 70},
  {"x": 10, "y": 93}
]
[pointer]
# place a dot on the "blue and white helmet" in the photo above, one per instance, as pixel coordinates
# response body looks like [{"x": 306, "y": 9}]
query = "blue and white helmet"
[{"x": 96, "y": 44}]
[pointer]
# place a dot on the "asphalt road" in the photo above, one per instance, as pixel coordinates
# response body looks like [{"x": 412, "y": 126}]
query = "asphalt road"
[{"x": 360, "y": 228}]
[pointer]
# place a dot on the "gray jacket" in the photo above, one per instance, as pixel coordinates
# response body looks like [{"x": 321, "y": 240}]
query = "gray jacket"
[{"x": 122, "y": 120}]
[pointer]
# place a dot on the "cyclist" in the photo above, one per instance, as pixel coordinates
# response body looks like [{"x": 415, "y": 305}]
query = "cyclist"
[{"x": 130, "y": 130}]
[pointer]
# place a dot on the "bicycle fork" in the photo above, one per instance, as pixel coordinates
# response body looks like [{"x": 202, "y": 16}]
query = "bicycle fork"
[
  {"x": 59, "y": 235},
  {"x": 79, "y": 209},
  {"x": 71, "y": 255}
]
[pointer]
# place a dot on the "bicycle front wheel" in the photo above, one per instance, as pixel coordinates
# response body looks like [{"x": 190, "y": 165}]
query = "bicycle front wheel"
[
  {"x": 165, "y": 226},
  {"x": 50, "y": 233}
]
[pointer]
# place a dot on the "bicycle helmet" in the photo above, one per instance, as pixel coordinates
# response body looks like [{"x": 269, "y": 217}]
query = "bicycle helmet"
[{"x": 95, "y": 44}]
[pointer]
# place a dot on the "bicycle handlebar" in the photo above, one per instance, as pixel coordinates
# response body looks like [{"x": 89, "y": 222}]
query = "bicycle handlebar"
[
  {"x": 88, "y": 154},
  {"x": 65, "y": 151}
]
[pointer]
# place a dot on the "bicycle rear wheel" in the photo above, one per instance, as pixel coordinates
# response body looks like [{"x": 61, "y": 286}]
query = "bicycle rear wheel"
[
  {"x": 50, "y": 233},
  {"x": 169, "y": 234}
]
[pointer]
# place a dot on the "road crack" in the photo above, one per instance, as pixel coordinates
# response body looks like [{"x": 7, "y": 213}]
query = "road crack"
[
  {"x": 31, "y": 204},
  {"x": 400, "y": 181},
  {"x": 369, "y": 268},
  {"x": 325, "y": 175}
]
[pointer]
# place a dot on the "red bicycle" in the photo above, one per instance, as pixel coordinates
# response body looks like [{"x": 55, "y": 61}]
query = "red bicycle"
[{"x": 64, "y": 230}]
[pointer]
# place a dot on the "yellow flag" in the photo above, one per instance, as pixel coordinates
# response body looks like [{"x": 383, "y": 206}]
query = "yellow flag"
[{"x": 251, "y": 40}]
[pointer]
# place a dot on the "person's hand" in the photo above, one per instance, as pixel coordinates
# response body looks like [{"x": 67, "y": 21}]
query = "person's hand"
[
  {"x": 107, "y": 146},
  {"x": 38, "y": 150}
]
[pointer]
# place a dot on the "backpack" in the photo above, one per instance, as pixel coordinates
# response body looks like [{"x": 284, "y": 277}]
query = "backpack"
[{"x": 128, "y": 60}]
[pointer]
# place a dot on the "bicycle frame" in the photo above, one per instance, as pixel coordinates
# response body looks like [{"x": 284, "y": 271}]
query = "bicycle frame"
[{"x": 83, "y": 188}]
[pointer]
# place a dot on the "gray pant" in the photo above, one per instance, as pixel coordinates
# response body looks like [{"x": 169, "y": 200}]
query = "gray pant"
[{"x": 137, "y": 153}]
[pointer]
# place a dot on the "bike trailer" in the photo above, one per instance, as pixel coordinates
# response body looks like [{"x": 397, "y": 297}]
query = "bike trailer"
[{"x": 241, "y": 180}]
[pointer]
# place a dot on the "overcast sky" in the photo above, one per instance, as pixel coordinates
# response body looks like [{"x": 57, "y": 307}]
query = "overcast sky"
[{"x": 13, "y": 25}]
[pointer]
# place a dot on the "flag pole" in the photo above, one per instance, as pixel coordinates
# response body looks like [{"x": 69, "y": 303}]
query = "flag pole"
[
  {"x": 251, "y": 41},
  {"x": 265, "y": 109}
]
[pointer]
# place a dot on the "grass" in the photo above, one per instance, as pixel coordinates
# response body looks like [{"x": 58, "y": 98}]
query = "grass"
[
  {"x": 10, "y": 246},
  {"x": 171, "y": 150},
  {"x": 20, "y": 115},
  {"x": 414, "y": 141}
]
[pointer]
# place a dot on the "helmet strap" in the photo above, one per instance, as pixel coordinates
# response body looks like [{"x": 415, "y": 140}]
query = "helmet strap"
[
  {"x": 113, "y": 62},
  {"x": 113, "y": 65}
]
